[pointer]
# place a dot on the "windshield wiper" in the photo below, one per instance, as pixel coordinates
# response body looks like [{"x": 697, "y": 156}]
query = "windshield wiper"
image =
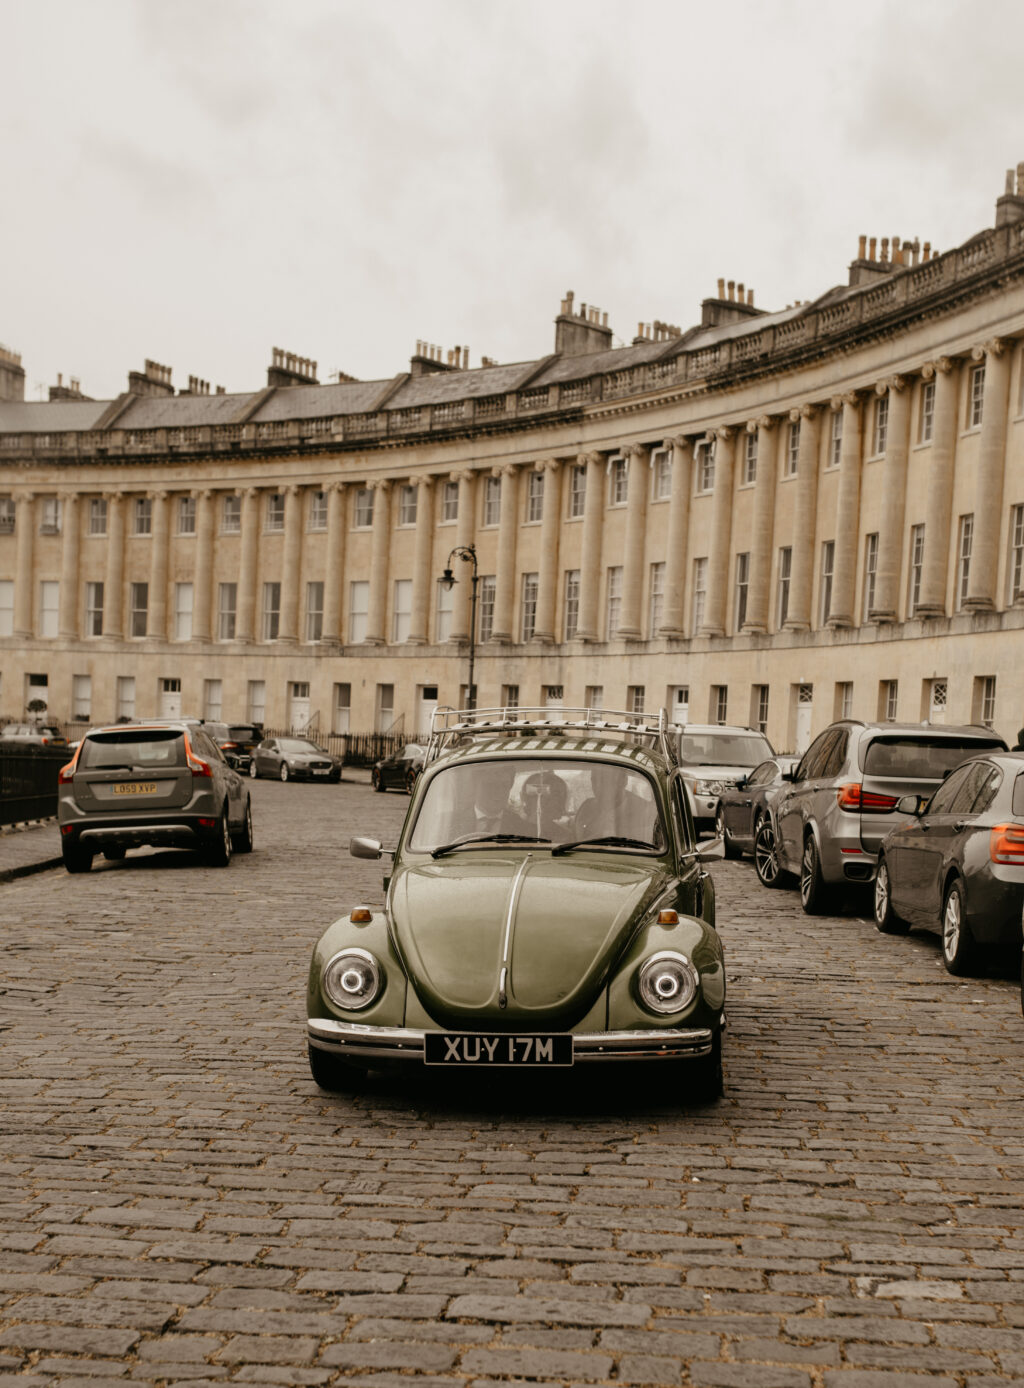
[
  {"x": 611, "y": 840},
  {"x": 485, "y": 838}
]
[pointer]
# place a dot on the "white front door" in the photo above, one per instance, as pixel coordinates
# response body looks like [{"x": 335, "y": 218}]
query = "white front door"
[
  {"x": 428, "y": 702},
  {"x": 298, "y": 705},
  {"x": 170, "y": 698},
  {"x": 804, "y": 711},
  {"x": 679, "y": 702}
]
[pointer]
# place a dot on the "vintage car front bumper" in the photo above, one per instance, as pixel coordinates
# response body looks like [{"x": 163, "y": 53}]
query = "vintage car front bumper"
[{"x": 360, "y": 1042}]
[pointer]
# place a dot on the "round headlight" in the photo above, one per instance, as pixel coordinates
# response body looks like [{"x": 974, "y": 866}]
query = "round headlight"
[
  {"x": 667, "y": 982},
  {"x": 353, "y": 979}
]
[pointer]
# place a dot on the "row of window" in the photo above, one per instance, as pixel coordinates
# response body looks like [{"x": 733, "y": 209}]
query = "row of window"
[{"x": 401, "y": 615}]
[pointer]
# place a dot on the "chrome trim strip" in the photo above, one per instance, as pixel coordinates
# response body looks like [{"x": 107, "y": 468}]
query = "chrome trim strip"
[
  {"x": 133, "y": 830},
  {"x": 513, "y": 902},
  {"x": 406, "y": 1043}
]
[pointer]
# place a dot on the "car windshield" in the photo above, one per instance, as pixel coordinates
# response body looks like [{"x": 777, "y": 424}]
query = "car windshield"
[
  {"x": 723, "y": 749},
  {"x": 547, "y": 801},
  {"x": 145, "y": 747},
  {"x": 921, "y": 757},
  {"x": 298, "y": 744}
]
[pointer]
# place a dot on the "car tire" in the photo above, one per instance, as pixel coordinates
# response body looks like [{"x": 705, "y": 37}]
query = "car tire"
[
  {"x": 959, "y": 950},
  {"x": 283, "y": 773},
  {"x": 334, "y": 1075},
  {"x": 706, "y": 1078},
  {"x": 886, "y": 919},
  {"x": 814, "y": 893},
  {"x": 729, "y": 849},
  {"x": 114, "y": 855},
  {"x": 377, "y": 780},
  {"x": 411, "y": 777},
  {"x": 241, "y": 841},
  {"x": 766, "y": 857},
  {"x": 218, "y": 850},
  {"x": 253, "y": 773},
  {"x": 76, "y": 858}
]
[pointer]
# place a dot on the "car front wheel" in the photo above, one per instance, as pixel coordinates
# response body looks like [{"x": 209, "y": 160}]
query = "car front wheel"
[
  {"x": 766, "y": 857},
  {"x": 721, "y": 832},
  {"x": 76, "y": 858},
  {"x": 886, "y": 919},
  {"x": 813, "y": 891},
  {"x": 377, "y": 780},
  {"x": 252, "y": 770},
  {"x": 284, "y": 773},
  {"x": 706, "y": 1081},
  {"x": 332, "y": 1074},
  {"x": 959, "y": 951}
]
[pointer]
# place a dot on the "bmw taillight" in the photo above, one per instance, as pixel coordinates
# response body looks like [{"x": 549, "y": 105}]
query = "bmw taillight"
[
  {"x": 1006, "y": 844},
  {"x": 854, "y": 798}
]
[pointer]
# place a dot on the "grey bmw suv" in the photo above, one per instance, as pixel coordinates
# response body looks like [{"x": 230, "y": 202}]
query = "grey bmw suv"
[
  {"x": 164, "y": 784},
  {"x": 827, "y": 825}
]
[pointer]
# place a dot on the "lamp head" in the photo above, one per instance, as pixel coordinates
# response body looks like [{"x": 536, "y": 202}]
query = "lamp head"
[{"x": 448, "y": 580}]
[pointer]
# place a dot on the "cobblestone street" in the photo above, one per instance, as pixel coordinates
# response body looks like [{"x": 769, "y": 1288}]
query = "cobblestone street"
[{"x": 181, "y": 1204}]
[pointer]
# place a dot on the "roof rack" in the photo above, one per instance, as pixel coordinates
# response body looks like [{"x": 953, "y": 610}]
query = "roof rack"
[{"x": 448, "y": 726}]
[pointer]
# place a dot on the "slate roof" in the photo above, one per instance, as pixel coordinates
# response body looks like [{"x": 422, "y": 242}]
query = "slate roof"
[{"x": 49, "y": 416}]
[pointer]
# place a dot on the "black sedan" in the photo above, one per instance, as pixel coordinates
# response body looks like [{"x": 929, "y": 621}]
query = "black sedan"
[
  {"x": 294, "y": 759},
  {"x": 742, "y": 808},
  {"x": 958, "y": 865},
  {"x": 400, "y": 770}
]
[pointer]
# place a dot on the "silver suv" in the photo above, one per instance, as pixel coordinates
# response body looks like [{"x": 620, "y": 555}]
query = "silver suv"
[
  {"x": 826, "y": 827},
  {"x": 165, "y": 784},
  {"x": 715, "y": 757}
]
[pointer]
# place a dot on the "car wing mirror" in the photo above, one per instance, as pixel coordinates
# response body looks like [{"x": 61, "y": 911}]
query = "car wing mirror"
[
  {"x": 910, "y": 804},
  {"x": 362, "y": 847}
]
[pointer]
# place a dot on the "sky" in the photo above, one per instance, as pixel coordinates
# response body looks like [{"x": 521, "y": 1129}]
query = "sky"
[{"x": 198, "y": 181}]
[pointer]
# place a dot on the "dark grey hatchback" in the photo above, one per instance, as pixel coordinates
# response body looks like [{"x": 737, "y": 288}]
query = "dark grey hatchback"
[
  {"x": 165, "y": 784},
  {"x": 958, "y": 865}
]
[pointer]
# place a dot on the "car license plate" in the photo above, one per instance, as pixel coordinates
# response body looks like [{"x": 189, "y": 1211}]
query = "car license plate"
[
  {"x": 320, "y": 771},
  {"x": 477, "y": 1048},
  {"x": 134, "y": 787}
]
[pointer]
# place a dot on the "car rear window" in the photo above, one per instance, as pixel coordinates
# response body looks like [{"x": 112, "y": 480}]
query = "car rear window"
[
  {"x": 922, "y": 758},
  {"x": 243, "y": 732},
  {"x": 1018, "y": 794},
  {"x": 150, "y": 747}
]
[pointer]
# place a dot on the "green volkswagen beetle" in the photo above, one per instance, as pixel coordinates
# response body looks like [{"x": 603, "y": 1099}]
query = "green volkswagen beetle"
[{"x": 546, "y": 906}]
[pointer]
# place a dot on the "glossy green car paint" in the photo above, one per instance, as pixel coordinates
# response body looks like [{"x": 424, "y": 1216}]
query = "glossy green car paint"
[{"x": 584, "y": 922}]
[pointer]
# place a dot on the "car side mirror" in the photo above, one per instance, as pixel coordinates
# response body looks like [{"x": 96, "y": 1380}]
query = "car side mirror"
[
  {"x": 741, "y": 784},
  {"x": 789, "y": 775},
  {"x": 361, "y": 847},
  {"x": 910, "y": 804}
]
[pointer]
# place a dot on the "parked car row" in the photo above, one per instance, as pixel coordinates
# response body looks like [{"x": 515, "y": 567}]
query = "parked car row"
[{"x": 932, "y": 816}]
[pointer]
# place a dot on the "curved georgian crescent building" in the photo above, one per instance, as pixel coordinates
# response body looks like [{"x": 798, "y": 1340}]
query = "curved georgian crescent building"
[{"x": 774, "y": 518}]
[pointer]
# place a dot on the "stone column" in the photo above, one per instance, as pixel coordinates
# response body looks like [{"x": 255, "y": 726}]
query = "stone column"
[
  {"x": 721, "y": 533},
  {"x": 334, "y": 577},
  {"x": 465, "y": 532},
  {"x": 202, "y": 600},
  {"x": 377, "y": 614},
  {"x": 113, "y": 581},
  {"x": 894, "y": 490},
  {"x": 423, "y": 552},
  {"x": 508, "y": 529},
  {"x": 25, "y": 535},
  {"x": 550, "y": 528},
  {"x": 288, "y": 629},
  {"x": 988, "y": 487},
  {"x": 678, "y": 528},
  {"x": 938, "y": 515},
  {"x": 764, "y": 526},
  {"x": 804, "y": 519},
  {"x": 844, "y": 575},
  {"x": 245, "y": 623},
  {"x": 590, "y": 559},
  {"x": 70, "y": 546},
  {"x": 157, "y": 624},
  {"x": 633, "y": 559}
]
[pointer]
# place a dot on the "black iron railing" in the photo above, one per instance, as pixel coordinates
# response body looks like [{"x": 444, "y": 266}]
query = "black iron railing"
[{"x": 28, "y": 782}]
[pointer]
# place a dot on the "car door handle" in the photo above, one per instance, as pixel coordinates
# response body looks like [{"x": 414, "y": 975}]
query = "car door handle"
[{"x": 959, "y": 824}]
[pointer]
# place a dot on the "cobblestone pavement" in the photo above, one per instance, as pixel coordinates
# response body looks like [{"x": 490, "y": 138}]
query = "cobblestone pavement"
[{"x": 180, "y": 1204}]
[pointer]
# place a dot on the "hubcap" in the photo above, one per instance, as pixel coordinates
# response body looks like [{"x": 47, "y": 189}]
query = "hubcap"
[
  {"x": 951, "y": 926},
  {"x": 881, "y": 892},
  {"x": 807, "y": 875},
  {"x": 767, "y": 860}
]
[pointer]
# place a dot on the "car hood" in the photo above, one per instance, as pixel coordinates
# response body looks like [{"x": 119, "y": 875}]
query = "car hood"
[
  {"x": 712, "y": 772},
  {"x": 557, "y": 924}
]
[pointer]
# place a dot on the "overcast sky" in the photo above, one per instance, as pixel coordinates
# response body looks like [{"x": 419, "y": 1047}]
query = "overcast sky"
[{"x": 197, "y": 181}]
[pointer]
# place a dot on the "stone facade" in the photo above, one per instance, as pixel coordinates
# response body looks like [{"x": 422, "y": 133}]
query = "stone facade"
[{"x": 773, "y": 518}]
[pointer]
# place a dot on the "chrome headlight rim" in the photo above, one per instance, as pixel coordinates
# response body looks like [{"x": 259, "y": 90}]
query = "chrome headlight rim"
[
  {"x": 354, "y": 964},
  {"x": 666, "y": 982}
]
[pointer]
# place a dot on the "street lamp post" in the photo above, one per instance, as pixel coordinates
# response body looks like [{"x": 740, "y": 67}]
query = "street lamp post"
[{"x": 448, "y": 581}]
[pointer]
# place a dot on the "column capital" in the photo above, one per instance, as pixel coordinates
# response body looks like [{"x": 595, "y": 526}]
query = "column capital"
[
  {"x": 584, "y": 459},
  {"x": 844, "y": 398},
  {"x": 677, "y": 441},
  {"x": 799, "y": 412},
  {"x": 724, "y": 432},
  {"x": 763, "y": 421},
  {"x": 505, "y": 469},
  {"x": 24, "y": 496},
  {"x": 547, "y": 465},
  {"x": 422, "y": 479},
  {"x": 201, "y": 493},
  {"x": 335, "y": 486},
  {"x": 464, "y": 474},
  {"x": 158, "y": 494},
  {"x": 107, "y": 496},
  {"x": 890, "y": 384},
  {"x": 994, "y": 347},
  {"x": 941, "y": 365},
  {"x": 379, "y": 484},
  {"x": 70, "y": 497},
  {"x": 251, "y": 491},
  {"x": 636, "y": 450}
]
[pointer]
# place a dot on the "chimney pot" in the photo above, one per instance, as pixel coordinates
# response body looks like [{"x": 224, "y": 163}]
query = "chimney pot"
[
  {"x": 871, "y": 248},
  {"x": 732, "y": 291},
  {"x": 1020, "y": 180},
  {"x": 750, "y": 297},
  {"x": 862, "y": 247},
  {"x": 721, "y": 288}
]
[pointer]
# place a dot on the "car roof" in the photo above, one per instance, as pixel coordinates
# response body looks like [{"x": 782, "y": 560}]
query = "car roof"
[
  {"x": 157, "y": 724},
  {"x": 718, "y": 728},
  {"x": 569, "y": 748},
  {"x": 978, "y": 730}
]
